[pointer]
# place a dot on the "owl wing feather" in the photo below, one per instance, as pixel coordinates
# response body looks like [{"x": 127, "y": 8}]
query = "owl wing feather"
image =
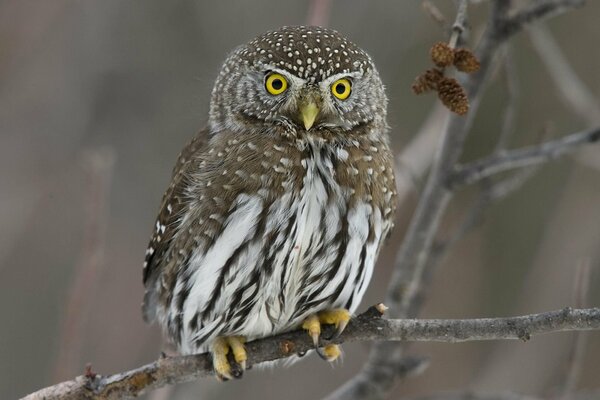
[{"x": 171, "y": 209}]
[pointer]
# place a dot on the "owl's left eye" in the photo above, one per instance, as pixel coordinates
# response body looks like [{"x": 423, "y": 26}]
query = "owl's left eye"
[
  {"x": 341, "y": 88},
  {"x": 275, "y": 84}
]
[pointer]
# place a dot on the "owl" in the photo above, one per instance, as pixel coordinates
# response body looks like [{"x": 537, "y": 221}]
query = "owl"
[{"x": 277, "y": 210}]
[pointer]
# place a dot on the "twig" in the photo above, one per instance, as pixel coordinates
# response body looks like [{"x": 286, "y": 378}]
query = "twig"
[
  {"x": 576, "y": 95},
  {"x": 318, "y": 12},
  {"x": 435, "y": 14},
  {"x": 538, "y": 11},
  {"x": 573, "y": 91},
  {"x": 459, "y": 25},
  {"x": 98, "y": 165},
  {"x": 368, "y": 326},
  {"x": 417, "y": 156},
  {"x": 523, "y": 157},
  {"x": 510, "y": 111}
]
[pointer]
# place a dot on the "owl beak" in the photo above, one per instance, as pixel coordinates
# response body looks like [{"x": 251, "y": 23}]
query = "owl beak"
[{"x": 309, "y": 112}]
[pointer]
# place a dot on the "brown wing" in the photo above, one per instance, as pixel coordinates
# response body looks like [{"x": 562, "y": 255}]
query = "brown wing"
[{"x": 165, "y": 228}]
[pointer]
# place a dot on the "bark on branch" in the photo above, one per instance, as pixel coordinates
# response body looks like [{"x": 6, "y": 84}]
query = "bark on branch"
[
  {"x": 368, "y": 326},
  {"x": 524, "y": 157}
]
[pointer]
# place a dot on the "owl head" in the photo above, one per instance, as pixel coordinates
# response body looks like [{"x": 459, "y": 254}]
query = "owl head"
[{"x": 299, "y": 79}]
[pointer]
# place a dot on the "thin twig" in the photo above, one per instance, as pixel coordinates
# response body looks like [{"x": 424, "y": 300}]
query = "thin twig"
[
  {"x": 416, "y": 157},
  {"x": 459, "y": 26},
  {"x": 435, "y": 14},
  {"x": 318, "y": 12},
  {"x": 537, "y": 11},
  {"x": 368, "y": 326},
  {"x": 524, "y": 157},
  {"x": 510, "y": 111},
  {"x": 575, "y": 93},
  {"x": 98, "y": 165}
]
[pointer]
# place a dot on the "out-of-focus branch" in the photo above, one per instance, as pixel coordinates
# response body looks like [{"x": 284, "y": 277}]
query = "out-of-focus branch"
[
  {"x": 523, "y": 157},
  {"x": 537, "y": 11},
  {"x": 416, "y": 157},
  {"x": 575, "y": 93},
  {"x": 98, "y": 165},
  {"x": 434, "y": 13},
  {"x": 368, "y": 326},
  {"x": 572, "y": 90},
  {"x": 510, "y": 110},
  {"x": 469, "y": 395},
  {"x": 318, "y": 12}
]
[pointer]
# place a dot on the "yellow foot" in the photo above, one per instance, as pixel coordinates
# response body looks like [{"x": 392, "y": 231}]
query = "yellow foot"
[
  {"x": 220, "y": 349},
  {"x": 339, "y": 318},
  {"x": 332, "y": 352}
]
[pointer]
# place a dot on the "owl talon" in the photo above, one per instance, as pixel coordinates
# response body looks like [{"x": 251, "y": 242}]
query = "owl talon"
[
  {"x": 237, "y": 371},
  {"x": 339, "y": 318},
  {"x": 340, "y": 328},
  {"x": 313, "y": 326},
  {"x": 321, "y": 353},
  {"x": 332, "y": 352},
  {"x": 220, "y": 350}
]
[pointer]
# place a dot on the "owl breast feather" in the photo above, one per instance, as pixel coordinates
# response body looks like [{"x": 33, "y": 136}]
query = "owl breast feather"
[{"x": 277, "y": 259}]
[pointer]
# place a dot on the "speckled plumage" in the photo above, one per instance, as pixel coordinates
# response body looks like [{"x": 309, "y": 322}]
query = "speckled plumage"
[{"x": 266, "y": 222}]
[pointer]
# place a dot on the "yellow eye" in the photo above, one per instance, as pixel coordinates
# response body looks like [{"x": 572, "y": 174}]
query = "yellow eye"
[
  {"x": 341, "y": 88},
  {"x": 275, "y": 84}
]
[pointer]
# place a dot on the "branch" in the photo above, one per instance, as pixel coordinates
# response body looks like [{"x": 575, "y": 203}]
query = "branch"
[
  {"x": 524, "y": 157},
  {"x": 368, "y": 326},
  {"x": 538, "y": 11}
]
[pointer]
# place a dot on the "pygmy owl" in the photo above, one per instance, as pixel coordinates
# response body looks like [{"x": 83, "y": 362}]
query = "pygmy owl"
[{"x": 277, "y": 210}]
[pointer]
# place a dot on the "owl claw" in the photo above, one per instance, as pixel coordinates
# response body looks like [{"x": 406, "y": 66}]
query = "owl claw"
[
  {"x": 220, "y": 350},
  {"x": 339, "y": 317},
  {"x": 321, "y": 353},
  {"x": 312, "y": 324},
  {"x": 340, "y": 328}
]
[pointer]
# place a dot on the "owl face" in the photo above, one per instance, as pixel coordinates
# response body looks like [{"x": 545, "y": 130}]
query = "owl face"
[{"x": 303, "y": 79}]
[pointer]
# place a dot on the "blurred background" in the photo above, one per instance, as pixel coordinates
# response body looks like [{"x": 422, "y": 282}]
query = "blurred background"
[{"x": 98, "y": 97}]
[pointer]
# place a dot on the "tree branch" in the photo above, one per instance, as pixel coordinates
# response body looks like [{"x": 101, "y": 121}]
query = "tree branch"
[
  {"x": 368, "y": 326},
  {"x": 538, "y": 11},
  {"x": 524, "y": 157}
]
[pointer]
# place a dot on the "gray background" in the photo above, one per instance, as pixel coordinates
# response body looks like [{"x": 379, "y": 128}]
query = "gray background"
[{"x": 133, "y": 78}]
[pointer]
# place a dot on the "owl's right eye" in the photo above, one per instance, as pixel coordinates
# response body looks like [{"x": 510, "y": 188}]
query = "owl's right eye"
[{"x": 275, "y": 84}]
